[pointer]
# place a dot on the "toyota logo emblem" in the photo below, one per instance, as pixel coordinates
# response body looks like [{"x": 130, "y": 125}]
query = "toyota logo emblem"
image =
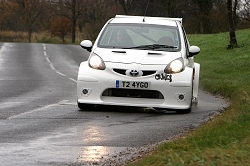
[{"x": 134, "y": 73}]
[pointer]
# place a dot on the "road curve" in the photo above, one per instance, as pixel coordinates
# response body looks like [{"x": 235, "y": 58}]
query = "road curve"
[{"x": 40, "y": 123}]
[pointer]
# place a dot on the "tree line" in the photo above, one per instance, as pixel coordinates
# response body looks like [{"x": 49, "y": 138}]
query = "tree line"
[{"x": 64, "y": 17}]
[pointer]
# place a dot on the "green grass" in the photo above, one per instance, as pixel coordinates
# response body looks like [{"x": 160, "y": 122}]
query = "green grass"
[{"x": 225, "y": 140}]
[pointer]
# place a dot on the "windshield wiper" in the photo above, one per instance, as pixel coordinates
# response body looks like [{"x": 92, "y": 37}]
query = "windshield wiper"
[{"x": 152, "y": 46}]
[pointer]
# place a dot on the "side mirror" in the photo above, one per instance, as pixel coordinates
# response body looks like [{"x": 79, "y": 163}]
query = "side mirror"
[
  {"x": 193, "y": 50},
  {"x": 86, "y": 44}
]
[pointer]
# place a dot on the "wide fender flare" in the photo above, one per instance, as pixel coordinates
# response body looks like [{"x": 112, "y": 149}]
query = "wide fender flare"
[
  {"x": 196, "y": 82},
  {"x": 82, "y": 67}
]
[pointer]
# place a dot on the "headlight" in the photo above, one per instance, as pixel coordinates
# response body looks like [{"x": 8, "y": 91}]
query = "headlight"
[
  {"x": 175, "y": 66},
  {"x": 96, "y": 62}
]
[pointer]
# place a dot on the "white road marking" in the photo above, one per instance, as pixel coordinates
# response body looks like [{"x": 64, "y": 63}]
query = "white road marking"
[
  {"x": 52, "y": 66},
  {"x": 31, "y": 111},
  {"x": 60, "y": 73},
  {"x": 72, "y": 79},
  {"x": 63, "y": 102}
]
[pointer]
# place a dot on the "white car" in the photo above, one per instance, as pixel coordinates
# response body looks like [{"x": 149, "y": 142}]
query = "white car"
[{"x": 142, "y": 62}]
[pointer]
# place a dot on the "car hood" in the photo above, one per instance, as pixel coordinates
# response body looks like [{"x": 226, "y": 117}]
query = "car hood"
[{"x": 136, "y": 56}]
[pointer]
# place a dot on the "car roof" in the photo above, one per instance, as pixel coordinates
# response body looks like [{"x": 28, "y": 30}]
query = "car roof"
[{"x": 146, "y": 20}]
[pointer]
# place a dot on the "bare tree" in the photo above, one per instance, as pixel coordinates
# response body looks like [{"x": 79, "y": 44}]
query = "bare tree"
[
  {"x": 169, "y": 7},
  {"x": 199, "y": 16},
  {"x": 2, "y": 11},
  {"x": 72, "y": 9},
  {"x": 127, "y": 6},
  {"x": 231, "y": 18},
  {"x": 98, "y": 13},
  {"x": 218, "y": 17},
  {"x": 205, "y": 7},
  {"x": 29, "y": 12},
  {"x": 245, "y": 10},
  {"x": 138, "y": 7},
  {"x": 60, "y": 27}
]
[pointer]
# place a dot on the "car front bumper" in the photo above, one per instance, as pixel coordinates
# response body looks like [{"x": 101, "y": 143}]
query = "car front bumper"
[{"x": 100, "y": 87}]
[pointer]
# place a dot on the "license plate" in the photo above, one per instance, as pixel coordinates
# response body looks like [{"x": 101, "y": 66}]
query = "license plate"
[{"x": 133, "y": 84}]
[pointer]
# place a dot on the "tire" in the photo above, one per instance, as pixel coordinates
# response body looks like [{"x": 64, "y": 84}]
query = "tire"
[{"x": 84, "y": 106}]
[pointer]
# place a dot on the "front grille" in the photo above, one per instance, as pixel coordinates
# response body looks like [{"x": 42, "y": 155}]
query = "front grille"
[
  {"x": 120, "y": 71},
  {"x": 133, "y": 93},
  {"x": 145, "y": 72},
  {"x": 148, "y": 72}
]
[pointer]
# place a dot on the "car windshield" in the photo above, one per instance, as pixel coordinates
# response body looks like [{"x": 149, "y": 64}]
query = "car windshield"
[{"x": 140, "y": 36}]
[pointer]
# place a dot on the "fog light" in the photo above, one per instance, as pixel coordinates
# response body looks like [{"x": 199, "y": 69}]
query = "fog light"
[
  {"x": 181, "y": 97},
  {"x": 85, "y": 91}
]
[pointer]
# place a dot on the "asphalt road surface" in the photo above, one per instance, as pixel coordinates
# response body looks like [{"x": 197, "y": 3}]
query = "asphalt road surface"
[{"x": 40, "y": 123}]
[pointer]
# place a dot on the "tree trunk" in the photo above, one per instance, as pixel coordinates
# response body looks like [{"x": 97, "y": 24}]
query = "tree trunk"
[
  {"x": 233, "y": 41},
  {"x": 29, "y": 33},
  {"x": 74, "y": 31},
  {"x": 73, "y": 21}
]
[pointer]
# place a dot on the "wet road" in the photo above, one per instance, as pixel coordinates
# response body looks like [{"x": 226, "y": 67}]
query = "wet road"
[{"x": 40, "y": 123}]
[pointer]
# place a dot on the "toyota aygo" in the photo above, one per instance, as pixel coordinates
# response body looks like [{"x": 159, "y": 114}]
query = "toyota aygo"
[{"x": 142, "y": 62}]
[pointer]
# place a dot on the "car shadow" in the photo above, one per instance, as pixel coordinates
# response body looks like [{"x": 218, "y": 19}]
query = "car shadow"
[{"x": 128, "y": 109}]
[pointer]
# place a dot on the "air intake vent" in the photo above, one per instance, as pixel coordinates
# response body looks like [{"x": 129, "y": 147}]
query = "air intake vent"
[
  {"x": 120, "y": 71},
  {"x": 145, "y": 72},
  {"x": 133, "y": 93}
]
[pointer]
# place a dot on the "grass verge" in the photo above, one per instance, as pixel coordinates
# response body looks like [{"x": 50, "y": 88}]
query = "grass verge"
[{"x": 226, "y": 139}]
